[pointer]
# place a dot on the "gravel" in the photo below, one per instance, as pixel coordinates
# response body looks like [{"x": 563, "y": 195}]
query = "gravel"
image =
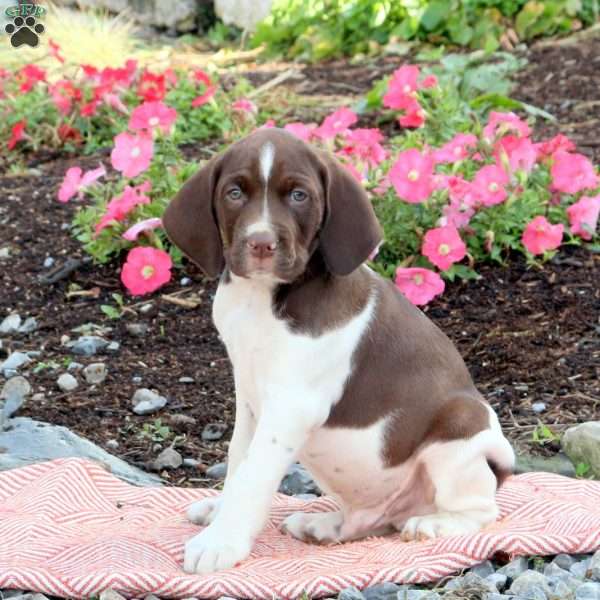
[
  {"x": 217, "y": 471},
  {"x": 213, "y": 432},
  {"x": 95, "y": 373},
  {"x": 10, "y": 324},
  {"x": 67, "y": 383},
  {"x": 146, "y": 402},
  {"x": 88, "y": 345},
  {"x": 13, "y": 395},
  {"x": 168, "y": 459},
  {"x": 16, "y": 360}
]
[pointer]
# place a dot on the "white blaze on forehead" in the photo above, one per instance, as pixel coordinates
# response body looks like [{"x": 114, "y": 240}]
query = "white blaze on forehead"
[
  {"x": 265, "y": 158},
  {"x": 267, "y": 153}
]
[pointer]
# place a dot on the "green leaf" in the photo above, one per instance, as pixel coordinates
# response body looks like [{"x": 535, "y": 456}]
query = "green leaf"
[
  {"x": 435, "y": 13},
  {"x": 110, "y": 311}
]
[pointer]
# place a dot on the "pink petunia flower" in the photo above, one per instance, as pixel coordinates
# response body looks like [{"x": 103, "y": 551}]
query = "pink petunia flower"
[
  {"x": 152, "y": 87},
  {"x": 461, "y": 208},
  {"x": 488, "y": 185},
  {"x": 456, "y": 149},
  {"x": 540, "y": 235},
  {"x": 209, "y": 89},
  {"x": 420, "y": 286},
  {"x": 336, "y": 123},
  {"x": 414, "y": 115},
  {"x": 404, "y": 81},
  {"x": 76, "y": 181},
  {"x": 558, "y": 142},
  {"x": 583, "y": 216},
  {"x": 443, "y": 247},
  {"x": 28, "y": 76},
  {"x": 364, "y": 144},
  {"x": 63, "y": 94},
  {"x": 301, "y": 130},
  {"x": 120, "y": 206},
  {"x": 17, "y": 133},
  {"x": 146, "y": 225},
  {"x": 501, "y": 123},
  {"x": 412, "y": 176},
  {"x": 153, "y": 114},
  {"x": 572, "y": 173},
  {"x": 132, "y": 153},
  {"x": 520, "y": 153},
  {"x": 145, "y": 270},
  {"x": 246, "y": 106}
]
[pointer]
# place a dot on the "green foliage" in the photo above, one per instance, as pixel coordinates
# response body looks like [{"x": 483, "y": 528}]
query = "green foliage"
[
  {"x": 582, "y": 470},
  {"x": 156, "y": 431},
  {"x": 114, "y": 312},
  {"x": 542, "y": 435},
  {"x": 317, "y": 29}
]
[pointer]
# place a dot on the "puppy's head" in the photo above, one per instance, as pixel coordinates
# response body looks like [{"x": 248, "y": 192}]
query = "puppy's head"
[{"x": 266, "y": 205}]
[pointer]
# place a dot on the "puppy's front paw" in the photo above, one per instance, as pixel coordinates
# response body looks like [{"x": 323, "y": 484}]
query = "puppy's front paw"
[
  {"x": 316, "y": 528},
  {"x": 204, "y": 511},
  {"x": 214, "y": 550}
]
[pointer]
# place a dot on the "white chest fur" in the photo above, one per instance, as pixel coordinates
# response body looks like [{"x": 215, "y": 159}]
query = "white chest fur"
[{"x": 272, "y": 361}]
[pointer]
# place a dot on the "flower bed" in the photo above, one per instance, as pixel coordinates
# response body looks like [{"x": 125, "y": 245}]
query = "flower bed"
[{"x": 457, "y": 188}]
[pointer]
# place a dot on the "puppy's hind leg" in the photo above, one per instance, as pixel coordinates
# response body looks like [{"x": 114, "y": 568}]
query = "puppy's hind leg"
[{"x": 465, "y": 487}]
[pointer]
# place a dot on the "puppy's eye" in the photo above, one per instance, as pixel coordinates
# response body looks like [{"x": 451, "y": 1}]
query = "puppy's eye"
[
  {"x": 298, "y": 195},
  {"x": 234, "y": 193}
]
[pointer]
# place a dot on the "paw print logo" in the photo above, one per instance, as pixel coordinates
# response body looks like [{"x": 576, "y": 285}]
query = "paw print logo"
[{"x": 24, "y": 31}]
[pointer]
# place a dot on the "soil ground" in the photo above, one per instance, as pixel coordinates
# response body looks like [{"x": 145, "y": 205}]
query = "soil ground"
[{"x": 528, "y": 335}]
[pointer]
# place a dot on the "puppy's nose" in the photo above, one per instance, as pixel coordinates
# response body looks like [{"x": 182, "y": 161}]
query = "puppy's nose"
[{"x": 262, "y": 244}]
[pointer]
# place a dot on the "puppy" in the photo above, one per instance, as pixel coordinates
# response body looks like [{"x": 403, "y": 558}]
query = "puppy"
[{"x": 333, "y": 366}]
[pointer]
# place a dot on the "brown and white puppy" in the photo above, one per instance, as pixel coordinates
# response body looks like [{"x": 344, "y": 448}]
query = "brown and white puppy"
[{"x": 332, "y": 365}]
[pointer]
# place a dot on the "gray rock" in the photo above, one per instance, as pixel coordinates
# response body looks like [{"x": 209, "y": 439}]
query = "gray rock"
[
  {"x": 531, "y": 585},
  {"x": 538, "y": 407},
  {"x": 111, "y": 594},
  {"x": 112, "y": 444},
  {"x": 29, "y": 326},
  {"x": 498, "y": 580},
  {"x": 383, "y": 591},
  {"x": 168, "y": 459},
  {"x": 564, "y": 561},
  {"x": 515, "y": 568},
  {"x": 454, "y": 584},
  {"x": 146, "y": 308},
  {"x": 185, "y": 281},
  {"x": 298, "y": 481},
  {"x": 564, "y": 586},
  {"x": 88, "y": 345},
  {"x": 12, "y": 397},
  {"x": 418, "y": 595},
  {"x": 495, "y": 596},
  {"x": 306, "y": 496},
  {"x": 74, "y": 366},
  {"x": 483, "y": 569},
  {"x": 580, "y": 569},
  {"x": 178, "y": 419},
  {"x": 351, "y": 593},
  {"x": 588, "y": 591},
  {"x": 16, "y": 360},
  {"x": 191, "y": 463},
  {"x": 217, "y": 471},
  {"x": 38, "y": 397},
  {"x": 146, "y": 402},
  {"x": 213, "y": 432},
  {"x": 186, "y": 380},
  {"x": 473, "y": 581},
  {"x": 113, "y": 347},
  {"x": 582, "y": 445},
  {"x": 595, "y": 566},
  {"x": 4, "y": 253},
  {"x": 48, "y": 262},
  {"x": 558, "y": 464},
  {"x": 95, "y": 373},
  {"x": 137, "y": 329},
  {"x": 553, "y": 570},
  {"x": 28, "y": 441},
  {"x": 11, "y": 323},
  {"x": 67, "y": 383}
]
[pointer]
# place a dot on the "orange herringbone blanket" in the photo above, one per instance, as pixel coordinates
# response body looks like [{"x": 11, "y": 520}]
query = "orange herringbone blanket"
[{"x": 70, "y": 528}]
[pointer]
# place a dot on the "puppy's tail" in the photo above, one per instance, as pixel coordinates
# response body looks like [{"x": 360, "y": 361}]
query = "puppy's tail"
[{"x": 501, "y": 460}]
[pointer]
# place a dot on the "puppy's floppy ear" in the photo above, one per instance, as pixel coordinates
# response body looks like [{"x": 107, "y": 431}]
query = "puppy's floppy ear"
[
  {"x": 190, "y": 222},
  {"x": 350, "y": 230}
]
